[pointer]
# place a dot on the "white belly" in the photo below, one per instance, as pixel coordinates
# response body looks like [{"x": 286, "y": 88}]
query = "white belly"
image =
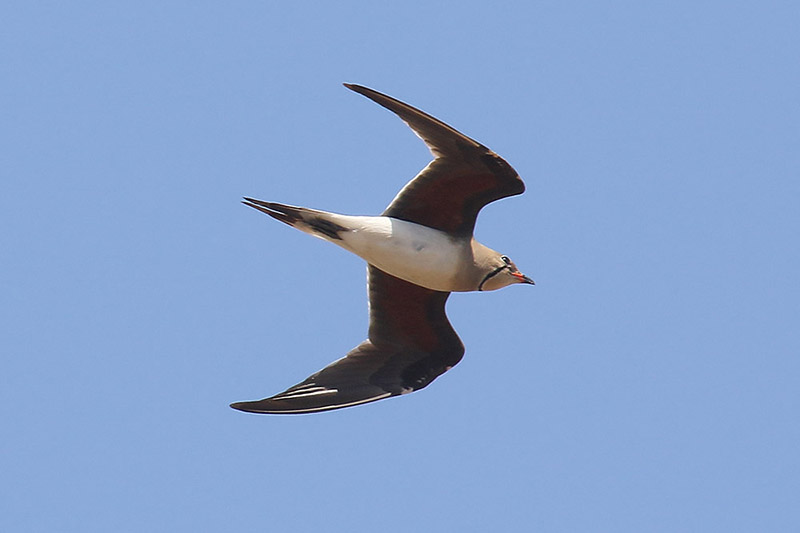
[{"x": 421, "y": 255}]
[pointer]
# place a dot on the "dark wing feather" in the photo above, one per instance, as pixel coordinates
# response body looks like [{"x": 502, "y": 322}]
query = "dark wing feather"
[
  {"x": 410, "y": 343},
  {"x": 454, "y": 187}
]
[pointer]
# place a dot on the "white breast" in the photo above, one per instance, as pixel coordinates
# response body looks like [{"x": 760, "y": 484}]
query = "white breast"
[{"x": 421, "y": 255}]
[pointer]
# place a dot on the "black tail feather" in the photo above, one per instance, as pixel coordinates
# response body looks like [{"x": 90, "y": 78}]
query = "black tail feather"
[{"x": 295, "y": 216}]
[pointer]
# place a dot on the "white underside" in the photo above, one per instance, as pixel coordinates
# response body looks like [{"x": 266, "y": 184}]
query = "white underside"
[{"x": 415, "y": 253}]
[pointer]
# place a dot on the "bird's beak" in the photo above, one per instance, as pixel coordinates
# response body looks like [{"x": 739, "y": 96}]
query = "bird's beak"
[{"x": 523, "y": 278}]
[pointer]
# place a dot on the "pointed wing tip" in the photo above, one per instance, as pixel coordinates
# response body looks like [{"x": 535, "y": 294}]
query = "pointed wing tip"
[
  {"x": 269, "y": 406},
  {"x": 360, "y": 89},
  {"x": 257, "y": 407},
  {"x": 241, "y": 406}
]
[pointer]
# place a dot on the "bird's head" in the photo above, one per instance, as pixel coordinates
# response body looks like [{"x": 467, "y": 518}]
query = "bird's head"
[{"x": 500, "y": 271}]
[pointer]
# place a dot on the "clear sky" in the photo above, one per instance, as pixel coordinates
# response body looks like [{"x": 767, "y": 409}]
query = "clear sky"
[{"x": 650, "y": 381}]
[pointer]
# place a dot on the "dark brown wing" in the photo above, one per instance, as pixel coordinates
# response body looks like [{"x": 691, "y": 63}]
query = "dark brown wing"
[
  {"x": 454, "y": 187},
  {"x": 410, "y": 343}
]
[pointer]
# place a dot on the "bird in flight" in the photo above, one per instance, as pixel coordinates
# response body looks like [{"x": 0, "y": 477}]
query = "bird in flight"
[{"x": 418, "y": 251}]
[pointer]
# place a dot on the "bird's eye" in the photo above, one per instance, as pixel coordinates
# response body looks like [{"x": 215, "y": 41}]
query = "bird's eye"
[{"x": 505, "y": 259}]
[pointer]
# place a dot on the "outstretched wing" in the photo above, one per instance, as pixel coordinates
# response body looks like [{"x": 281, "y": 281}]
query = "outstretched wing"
[
  {"x": 454, "y": 187},
  {"x": 410, "y": 343}
]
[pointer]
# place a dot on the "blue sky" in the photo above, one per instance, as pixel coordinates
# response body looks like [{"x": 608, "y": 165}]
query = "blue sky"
[{"x": 648, "y": 382}]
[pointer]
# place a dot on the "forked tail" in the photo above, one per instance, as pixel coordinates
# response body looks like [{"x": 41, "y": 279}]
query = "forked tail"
[{"x": 310, "y": 221}]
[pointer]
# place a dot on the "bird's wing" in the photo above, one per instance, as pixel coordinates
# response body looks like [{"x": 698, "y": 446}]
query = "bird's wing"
[
  {"x": 454, "y": 187},
  {"x": 410, "y": 343}
]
